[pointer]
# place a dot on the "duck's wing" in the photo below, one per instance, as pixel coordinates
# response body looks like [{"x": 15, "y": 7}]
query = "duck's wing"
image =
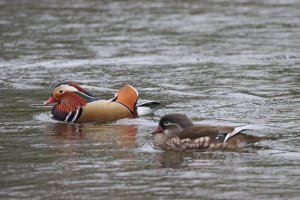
[{"x": 203, "y": 131}]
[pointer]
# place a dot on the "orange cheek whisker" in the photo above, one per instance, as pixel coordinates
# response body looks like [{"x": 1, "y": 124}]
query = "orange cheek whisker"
[{"x": 70, "y": 104}]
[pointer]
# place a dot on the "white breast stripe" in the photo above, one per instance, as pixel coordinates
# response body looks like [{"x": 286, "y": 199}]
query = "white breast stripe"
[
  {"x": 75, "y": 117},
  {"x": 67, "y": 117}
]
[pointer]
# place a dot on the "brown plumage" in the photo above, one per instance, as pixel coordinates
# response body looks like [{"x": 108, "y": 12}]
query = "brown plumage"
[{"x": 177, "y": 132}]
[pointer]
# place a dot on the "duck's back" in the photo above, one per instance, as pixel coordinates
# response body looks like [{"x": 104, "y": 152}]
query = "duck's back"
[{"x": 202, "y": 131}]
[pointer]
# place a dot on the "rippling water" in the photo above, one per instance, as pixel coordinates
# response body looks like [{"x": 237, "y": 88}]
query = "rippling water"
[{"x": 220, "y": 62}]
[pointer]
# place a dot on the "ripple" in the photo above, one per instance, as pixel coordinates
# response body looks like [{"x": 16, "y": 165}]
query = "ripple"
[
  {"x": 44, "y": 117},
  {"x": 221, "y": 63},
  {"x": 148, "y": 148}
]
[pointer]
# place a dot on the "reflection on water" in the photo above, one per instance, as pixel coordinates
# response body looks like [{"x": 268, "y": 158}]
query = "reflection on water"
[
  {"x": 169, "y": 159},
  {"x": 220, "y": 62},
  {"x": 65, "y": 130},
  {"x": 121, "y": 136}
]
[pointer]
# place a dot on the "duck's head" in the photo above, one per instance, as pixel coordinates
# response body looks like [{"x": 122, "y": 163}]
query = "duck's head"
[
  {"x": 173, "y": 124},
  {"x": 69, "y": 97}
]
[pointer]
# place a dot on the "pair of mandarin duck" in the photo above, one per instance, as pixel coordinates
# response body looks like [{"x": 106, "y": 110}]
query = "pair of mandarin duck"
[{"x": 174, "y": 131}]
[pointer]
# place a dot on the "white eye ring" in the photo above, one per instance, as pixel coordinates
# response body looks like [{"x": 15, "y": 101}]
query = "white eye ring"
[
  {"x": 166, "y": 123},
  {"x": 61, "y": 91}
]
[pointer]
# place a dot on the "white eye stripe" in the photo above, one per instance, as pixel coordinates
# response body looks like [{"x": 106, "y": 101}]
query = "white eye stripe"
[
  {"x": 173, "y": 130},
  {"x": 68, "y": 88},
  {"x": 166, "y": 123}
]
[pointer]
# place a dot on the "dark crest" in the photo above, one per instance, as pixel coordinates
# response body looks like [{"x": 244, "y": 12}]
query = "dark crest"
[{"x": 177, "y": 118}]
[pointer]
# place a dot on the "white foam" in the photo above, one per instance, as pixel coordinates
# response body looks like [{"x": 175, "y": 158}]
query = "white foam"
[
  {"x": 44, "y": 117},
  {"x": 148, "y": 148}
]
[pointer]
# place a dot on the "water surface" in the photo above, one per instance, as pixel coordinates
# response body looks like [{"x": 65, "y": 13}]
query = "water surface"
[{"x": 220, "y": 62}]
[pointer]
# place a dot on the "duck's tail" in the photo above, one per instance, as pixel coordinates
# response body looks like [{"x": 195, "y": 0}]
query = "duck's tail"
[{"x": 146, "y": 107}]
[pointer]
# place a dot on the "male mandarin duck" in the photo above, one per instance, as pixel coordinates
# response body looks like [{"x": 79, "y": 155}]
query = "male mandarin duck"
[
  {"x": 75, "y": 104},
  {"x": 177, "y": 132}
]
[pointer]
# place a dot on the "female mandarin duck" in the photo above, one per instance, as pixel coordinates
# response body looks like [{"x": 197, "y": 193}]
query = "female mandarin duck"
[
  {"x": 75, "y": 104},
  {"x": 177, "y": 132}
]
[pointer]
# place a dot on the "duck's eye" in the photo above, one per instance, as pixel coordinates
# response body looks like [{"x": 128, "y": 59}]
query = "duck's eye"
[
  {"x": 166, "y": 123},
  {"x": 61, "y": 91}
]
